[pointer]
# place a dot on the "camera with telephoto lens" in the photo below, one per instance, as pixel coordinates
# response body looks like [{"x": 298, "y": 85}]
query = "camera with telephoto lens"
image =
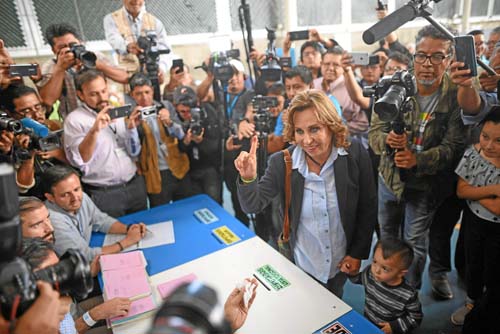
[
  {"x": 391, "y": 94},
  {"x": 17, "y": 280},
  {"x": 195, "y": 122},
  {"x": 191, "y": 308},
  {"x": 220, "y": 64},
  {"x": 71, "y": 275},
  {"x": 87, "y": 58},
  {"x": 9, "y": 124},
  {"x": 262, "y": 118}
]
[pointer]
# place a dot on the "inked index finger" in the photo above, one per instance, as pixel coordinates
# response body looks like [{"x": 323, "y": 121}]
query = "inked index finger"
[{"x": 253, "y": 148}]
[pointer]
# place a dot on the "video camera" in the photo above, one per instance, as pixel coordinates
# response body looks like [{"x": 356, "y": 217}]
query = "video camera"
[
  {"x": 41, "y": 138},
  {"x": 87, "y": 58},
  {"x": 151, "y": 52},
  {"x": 9, "y": 124},
  {"x": 391, "y": 94},
  {"x": 219, "y": 64},
  {"x": 262, "y": 118},
  {"x": 272, "y": 67},
  {"x": 148, "y": 112},
  {"x": 17, "y": 281}
]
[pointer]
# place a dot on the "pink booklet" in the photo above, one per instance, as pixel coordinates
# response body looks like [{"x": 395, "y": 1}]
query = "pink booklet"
[
  {"x": 137, "y": 309},
  {"x": 167, "y": 288},
  {"x": 122, "y": 260},
  {"x": 126, "y": 282}
]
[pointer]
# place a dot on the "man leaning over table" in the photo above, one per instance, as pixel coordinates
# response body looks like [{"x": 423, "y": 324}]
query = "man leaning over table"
[{"x": 74, "y": 216}]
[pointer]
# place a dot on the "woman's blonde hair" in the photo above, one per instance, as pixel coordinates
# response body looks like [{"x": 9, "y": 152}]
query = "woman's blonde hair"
[{"x": 324, "y": 110}]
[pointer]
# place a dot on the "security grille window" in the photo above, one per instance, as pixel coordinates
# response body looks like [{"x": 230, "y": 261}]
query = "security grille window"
[
  {"x": 178, "y": 17},
  {"x": 264, "y": 13},
  {"x": 318, "y": 12},
  {"x": 479, "y": 8},
  {"x": 12, "y": 33}
]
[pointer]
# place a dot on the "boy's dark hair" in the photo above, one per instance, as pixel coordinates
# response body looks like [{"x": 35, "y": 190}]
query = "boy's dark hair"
[
  {"x": 35, "y": 251},
  {"x": 276, "y": 88},
  {"x": 59, "y": 30},
  {"x": 14, "y": 92},
  {"x": 313, "y": 44},
  {"x": 56, "y": 174},
  {"x": 393, "y": 246},
  {"x": 300, "y": 71},
  {"x": 493, "y": 116},
  {"x": 85, "y": 76}
]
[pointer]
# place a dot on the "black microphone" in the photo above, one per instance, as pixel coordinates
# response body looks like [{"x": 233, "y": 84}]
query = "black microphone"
[{"x": 390, "y": 23}]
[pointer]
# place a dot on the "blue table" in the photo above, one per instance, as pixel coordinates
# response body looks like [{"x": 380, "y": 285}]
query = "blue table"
[
  {"x": 351, "y": 322},
  {"x": 193, "y": 239}
]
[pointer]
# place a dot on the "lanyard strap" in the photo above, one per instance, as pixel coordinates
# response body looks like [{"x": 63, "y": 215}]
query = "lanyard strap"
[{"x": 233, "y": 103}]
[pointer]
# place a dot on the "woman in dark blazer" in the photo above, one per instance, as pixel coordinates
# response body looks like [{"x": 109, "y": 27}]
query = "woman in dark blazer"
[{"x": 333, "y": 206}]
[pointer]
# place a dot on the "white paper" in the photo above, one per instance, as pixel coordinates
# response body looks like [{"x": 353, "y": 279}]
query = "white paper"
[{"x": 160, "y": 234}]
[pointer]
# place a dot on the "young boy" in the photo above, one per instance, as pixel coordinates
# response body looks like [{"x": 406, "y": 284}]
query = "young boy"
[{"x": 391, "y": 303}]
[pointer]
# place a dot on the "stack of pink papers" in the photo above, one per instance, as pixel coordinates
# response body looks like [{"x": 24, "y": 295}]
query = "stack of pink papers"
[{"x": 124, "y": 275}]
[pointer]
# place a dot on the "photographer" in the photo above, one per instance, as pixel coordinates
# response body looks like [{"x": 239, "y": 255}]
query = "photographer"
[
  {"x": 124, "y": 27},
  {"x": 334, "y": 83},
  {"x": 416, "y": 166},
  {"x": 164, "y": 167},
  {"x": 97, "y": 146},
  {"x": 202, "y": 141},
  {"x": 23, "y": 102},
  {"x": 58, "y": 74},
  {"x": 40, "y": 254}
]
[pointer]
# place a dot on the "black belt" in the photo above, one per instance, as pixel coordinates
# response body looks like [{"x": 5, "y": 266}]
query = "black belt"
[{"x": 113, "y": 187}]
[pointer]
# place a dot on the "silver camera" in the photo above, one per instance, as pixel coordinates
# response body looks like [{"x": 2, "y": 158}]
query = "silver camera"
[{"x": 147, "y": 112}]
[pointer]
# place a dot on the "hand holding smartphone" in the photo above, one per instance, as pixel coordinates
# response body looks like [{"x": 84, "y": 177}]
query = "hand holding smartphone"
[
  {"x": 299, "y": 35},
  {"x": 119, "y": 112},
  {"x": 465, "y": 52}
]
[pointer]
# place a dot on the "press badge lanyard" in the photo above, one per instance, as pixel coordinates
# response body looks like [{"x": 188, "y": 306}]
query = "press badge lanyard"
[{"x": 233, "y": 103}]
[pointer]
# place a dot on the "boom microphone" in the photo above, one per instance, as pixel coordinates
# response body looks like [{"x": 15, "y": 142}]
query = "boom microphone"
[{"x": 391, "y": 22}]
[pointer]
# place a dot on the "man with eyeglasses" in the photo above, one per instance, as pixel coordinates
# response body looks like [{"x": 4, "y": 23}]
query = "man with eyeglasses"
[
  {"x": 416, "y": 167},
  {"x": 493, "y": 39},
  {"x": 24, "y": 102}
]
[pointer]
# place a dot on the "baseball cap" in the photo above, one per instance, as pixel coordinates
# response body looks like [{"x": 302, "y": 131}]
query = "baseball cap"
[
  {"x": 185, "y": 95},
  {"x": 238, "y": 65}
]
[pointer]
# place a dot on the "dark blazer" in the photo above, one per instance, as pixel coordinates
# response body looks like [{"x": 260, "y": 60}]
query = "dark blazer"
[{"x": 356, "y": 193}]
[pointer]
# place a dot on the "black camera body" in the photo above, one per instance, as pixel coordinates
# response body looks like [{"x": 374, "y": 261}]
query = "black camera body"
[
  {"x": 71, "y": 275},
  {"x": 87, "y": 58},
  {"x": 9, "y": 124},
  {"x": 220, "y": 66},
  {"x": 262, "y": 118},
  {"x": 151, "y": 52},
  {"x": 271, "y": 69},
  {"x": 391, "y": 93},
  {"x": 195, "y": 124}
]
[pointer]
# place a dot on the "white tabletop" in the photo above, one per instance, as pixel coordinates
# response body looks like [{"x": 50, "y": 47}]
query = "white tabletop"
[{"x": 302, "y": 307}]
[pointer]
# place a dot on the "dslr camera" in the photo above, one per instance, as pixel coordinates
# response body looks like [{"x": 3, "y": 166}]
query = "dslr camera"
[
  {"x": 17, "y": 280},
  {"x": 9, "y": 124},
  {"x": 87, "y": 58},
  {"x": 151, "y": 52},
  {"x": 195, "y": 122},
  {"x": 392, "y": 94}
]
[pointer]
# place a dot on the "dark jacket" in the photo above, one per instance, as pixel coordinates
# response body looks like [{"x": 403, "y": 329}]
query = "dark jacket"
[{"x": 356, "y": 193}]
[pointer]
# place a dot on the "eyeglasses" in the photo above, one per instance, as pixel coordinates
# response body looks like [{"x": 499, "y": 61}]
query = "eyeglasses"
[
  {"x": 435, "y": 58},
  {"x": 36, "y": 109}
]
